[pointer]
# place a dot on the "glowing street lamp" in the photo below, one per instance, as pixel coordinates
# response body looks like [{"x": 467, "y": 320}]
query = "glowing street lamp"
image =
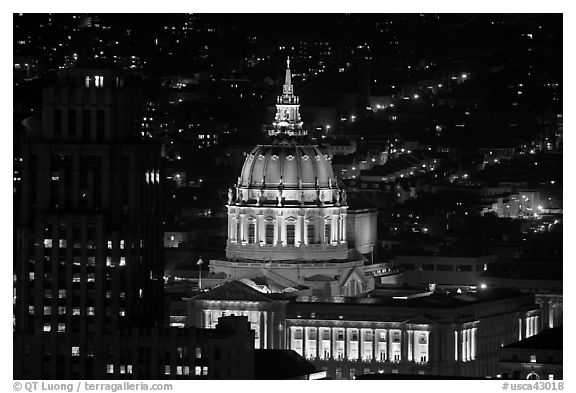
[{"x": 199, "y": 263}]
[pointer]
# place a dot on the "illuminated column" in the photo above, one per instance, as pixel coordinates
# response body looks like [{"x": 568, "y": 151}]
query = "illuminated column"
[
  {"x": 334, "y": 229},
  {"x": 374, "y": 343},
  {"x": 463, "y": 337},
  {"x": 343, "y": 239},
  {"x": 456, "y": 345},
  {"x": 537, "y": 324},
  {"x": 410, "y": 345},
  {"x": 304, "y": 341},
  {"x": 473, "y": 349},
  {"x": 333, "y": 342},
  {"x": 263, "y": 320},
  {"x": 359, "y": 355},
  {"x": 242, "y": 238},
  {"x": 260, "y": 228},
  {"x": 298, "y": 229},
  {"x": 346, "y": 343},
  {"x": 389, "y": 345},
  {"x": 519, "y": 329},
  {"x": 318, "y": 341},
  {"x": 282, "y": 230}
]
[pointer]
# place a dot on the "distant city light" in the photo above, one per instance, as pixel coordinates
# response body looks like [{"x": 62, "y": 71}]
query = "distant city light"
[{"x": 483, "y": 286}]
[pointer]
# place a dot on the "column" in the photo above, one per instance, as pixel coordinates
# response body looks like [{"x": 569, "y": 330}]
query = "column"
[
  {"x": 334, "y": 229},
  {"x": 242, "y": 237},
  {"x": 298, "y": 230},
  {"x": 260, "y": 228},
  {"x": 360, "y": 341},
  {"x": 410, "y": 345},
  {"x": 343, "y": 240},
  {"x": 282, "y": 230},
  {"x": 473, "y": 345},
  {"x": 304, "y": 333},
  {"x": 463, "y": 336},
  {"x": 346, "y": 343},
  {"x": 537, "y": 324},
  {"x": 374, "y": 343},
  {"x": 264, "y": 322},
  {"x": 318, "y": 342},
  {"x": 333, "y": 343},
  {"x": 456, "y": 345},
  {"x": 389, "y": 345}
]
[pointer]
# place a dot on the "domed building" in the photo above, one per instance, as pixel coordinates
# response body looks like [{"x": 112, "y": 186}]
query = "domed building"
[{"x": 287, "y": 214}]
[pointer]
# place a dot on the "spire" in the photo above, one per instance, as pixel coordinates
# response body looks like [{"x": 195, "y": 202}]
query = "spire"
[
  {"x": 288, "y": 88},
  {"x": 287, "y": 118}
]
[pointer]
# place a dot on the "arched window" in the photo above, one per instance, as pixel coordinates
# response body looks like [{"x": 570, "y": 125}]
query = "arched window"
[
  {"x": 269, "y": 231},
  {"x": 311, "y": 232},
  {"x": 251, "y": 231},
  {"x": 327, "y": 230}
]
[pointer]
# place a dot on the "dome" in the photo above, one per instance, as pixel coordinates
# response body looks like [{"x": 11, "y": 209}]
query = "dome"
[{"x": 289, "y": 163}]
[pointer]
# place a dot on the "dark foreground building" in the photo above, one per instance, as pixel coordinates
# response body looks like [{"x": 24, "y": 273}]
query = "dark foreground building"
[{"x": 88, "y": 268}]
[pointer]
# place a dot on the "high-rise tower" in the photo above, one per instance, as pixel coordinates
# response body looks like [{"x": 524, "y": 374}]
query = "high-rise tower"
[{"x": 88, "y": 256}]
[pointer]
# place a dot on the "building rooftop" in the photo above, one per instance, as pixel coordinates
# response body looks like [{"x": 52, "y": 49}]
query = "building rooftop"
[
  {"x": 427, "y": 300},
  {"x": 550, "y": 339}
]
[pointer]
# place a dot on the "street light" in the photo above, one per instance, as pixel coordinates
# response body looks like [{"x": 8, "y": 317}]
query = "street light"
[{"x": 199, "y": 263}]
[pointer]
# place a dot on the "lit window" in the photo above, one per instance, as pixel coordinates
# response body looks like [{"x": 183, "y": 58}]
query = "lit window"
[
  {"x": 31, "y": 310},
  {"x": 178, "y": 370},
  {"x": 61, "y": 328},
  {"x": 121, "y": 244},
  {"x": 122, "y": 261},
  {"x": 76, "y": 311},
  {"x": 90, "y": 277},
  {"x": 167, "y": 370},
  {"x": 109, "y": 244},
  {"x": 47, "y": 243},
  {"x": 47, "y": 327},
  {"x": 87, "y": 82},
  {"x": 532, "y": 358},
  {"x": 186, "y": 370},
  {"x": 75, "y": 351},
  {"x": 122, "y": 369},
  {"x": 47, "y": 310},
  {"x": 90, "y": 311},
  {"x": 31, "y": 276},
  {"x": 122, "y": 312},
  {"x": 108, "y": 261},
  {"x": 62, "y": 293},
  {"x": 110, "y": 369},
  {"x": 197, "y": 370},
  {"x": 198, "y": 353},
  {"x": 62, "y": 310},
  {"x": 129, "y": 369},
  {"x": 76, "y": 278},
  {"x": 205, "y": 370},
  {"x": 62, "y": 243}
]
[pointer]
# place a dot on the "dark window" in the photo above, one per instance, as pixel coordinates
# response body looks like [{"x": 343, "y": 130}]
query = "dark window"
[
  {"x": 327, "y": 232},
  {"x": 86, "y": 124},
  {"x": 251, "y": 232},
  {"x": 58, "y": 122},
  {"x": 270, "y": 233},
  {"x": 408, "y": 266},
  {"x": 444, "y": 268},
  {"x": 100, "y": 116},
  {"x": 290, "y": 234},
  {"x": 428, "y": 266},
  {"x": 464, "y": 268},
  {"x": 311, "y": 233},
  {"x": 71, "y": 122}
]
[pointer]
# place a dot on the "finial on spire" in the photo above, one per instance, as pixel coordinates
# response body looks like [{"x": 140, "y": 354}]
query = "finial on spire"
[{"x": 288, "y": 62}]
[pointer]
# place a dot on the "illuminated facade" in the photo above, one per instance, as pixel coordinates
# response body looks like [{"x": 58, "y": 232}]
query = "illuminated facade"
[
  {"x": 419, "y": 333},
  {"x": 287, "y": 216}
]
